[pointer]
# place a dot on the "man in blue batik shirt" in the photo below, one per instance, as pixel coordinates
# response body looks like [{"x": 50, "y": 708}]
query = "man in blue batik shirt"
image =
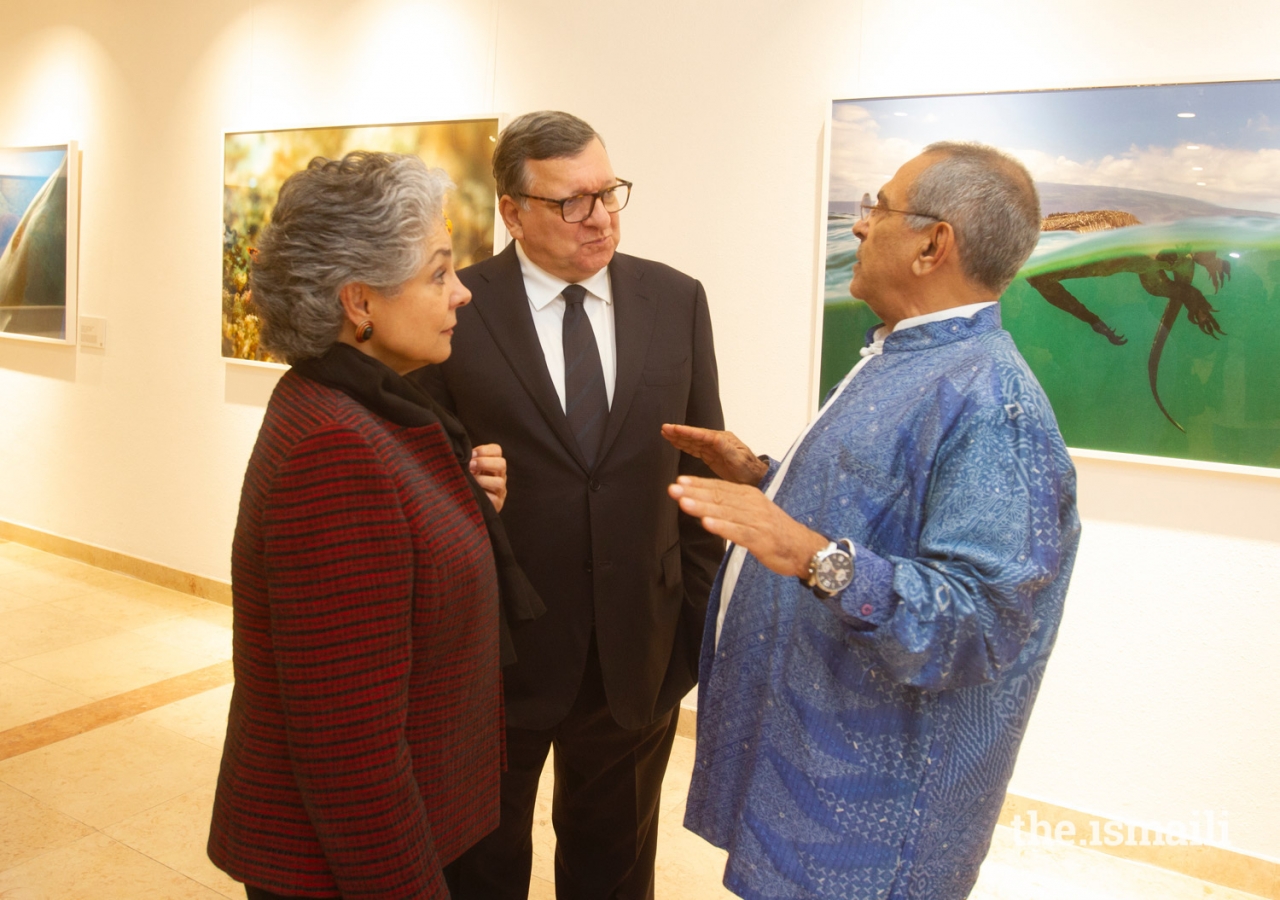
[{"x": 879, "y": 630}]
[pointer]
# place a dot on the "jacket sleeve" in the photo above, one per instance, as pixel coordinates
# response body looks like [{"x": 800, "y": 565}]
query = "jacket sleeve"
[
  {"x": 700, "y": 551},
  {"x": 340, "y": 586},
  {"x": 999, "y": 520}
]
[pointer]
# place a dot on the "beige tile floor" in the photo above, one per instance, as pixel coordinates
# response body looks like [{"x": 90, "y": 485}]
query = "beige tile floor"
[{"x": 122, "y": 810}]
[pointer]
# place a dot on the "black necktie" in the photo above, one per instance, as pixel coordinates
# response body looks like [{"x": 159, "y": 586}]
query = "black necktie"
[{"x": 585, "y": 401}]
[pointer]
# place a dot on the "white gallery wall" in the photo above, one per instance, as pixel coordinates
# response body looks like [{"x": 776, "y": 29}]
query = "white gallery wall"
[{"x": 1160, "y": 703}]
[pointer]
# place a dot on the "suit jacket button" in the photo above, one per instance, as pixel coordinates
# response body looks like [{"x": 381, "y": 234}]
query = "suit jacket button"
[{"x": 593, "y": 485}]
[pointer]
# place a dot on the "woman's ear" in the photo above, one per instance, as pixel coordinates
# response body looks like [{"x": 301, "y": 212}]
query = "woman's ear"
[{"x": 354, "y": 297}]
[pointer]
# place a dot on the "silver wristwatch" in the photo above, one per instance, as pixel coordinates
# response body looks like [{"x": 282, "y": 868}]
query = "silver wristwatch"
[{"x": 831, "y": 569}]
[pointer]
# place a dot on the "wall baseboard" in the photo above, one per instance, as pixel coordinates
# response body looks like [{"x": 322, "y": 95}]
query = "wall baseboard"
[
  {"x": 111, "y": 560},
  {"x": 1216, "y": 865}
]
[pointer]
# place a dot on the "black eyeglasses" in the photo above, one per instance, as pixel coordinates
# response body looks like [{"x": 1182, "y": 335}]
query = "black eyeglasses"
[
  {"x": 869, "y": 208},
  {"x": 579, "y": 207}
]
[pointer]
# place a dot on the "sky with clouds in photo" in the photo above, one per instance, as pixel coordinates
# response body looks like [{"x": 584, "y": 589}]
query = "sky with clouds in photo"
[{"x": 1227, "y": 154}]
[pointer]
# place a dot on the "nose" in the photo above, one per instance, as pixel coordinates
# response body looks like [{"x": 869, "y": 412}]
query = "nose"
[
  {"x": 600, "y": 217},
  {"x": 860, "y": 229},
  {"x": 461, "y": 296}
]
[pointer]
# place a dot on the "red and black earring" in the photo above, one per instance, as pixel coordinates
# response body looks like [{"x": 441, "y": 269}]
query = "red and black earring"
[{"x": 364, "y": 331}]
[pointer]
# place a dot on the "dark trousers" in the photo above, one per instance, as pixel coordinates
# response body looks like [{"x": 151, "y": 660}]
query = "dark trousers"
[{"x": 608, "y": 787}]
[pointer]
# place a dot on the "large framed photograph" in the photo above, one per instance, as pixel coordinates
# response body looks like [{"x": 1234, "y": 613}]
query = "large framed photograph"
[
  {"x": 39, "y": 238},
  {"x": 256, "y": 163},
  {"x": 1150, "y": 309}
]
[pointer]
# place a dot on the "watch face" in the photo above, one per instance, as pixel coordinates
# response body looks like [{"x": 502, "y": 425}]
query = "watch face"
[{"x": 835, "y": 571}]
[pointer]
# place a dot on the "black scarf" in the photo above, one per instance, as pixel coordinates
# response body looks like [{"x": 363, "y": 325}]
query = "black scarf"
[{"x": 395, "y": 398}]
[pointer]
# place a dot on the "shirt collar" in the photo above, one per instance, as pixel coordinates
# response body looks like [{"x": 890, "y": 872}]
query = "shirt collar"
[
  {"x": 967, "y": 311},
  {"x": 542, "y": 287}
]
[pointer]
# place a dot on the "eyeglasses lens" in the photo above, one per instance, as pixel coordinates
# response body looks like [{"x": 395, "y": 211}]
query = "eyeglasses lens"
[{"x": 579, "y": 209}]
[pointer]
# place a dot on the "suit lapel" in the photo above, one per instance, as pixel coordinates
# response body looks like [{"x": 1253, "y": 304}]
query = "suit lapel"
[
  {"x": 633, "y": 321},
  {"x": 504, "y": 309}
]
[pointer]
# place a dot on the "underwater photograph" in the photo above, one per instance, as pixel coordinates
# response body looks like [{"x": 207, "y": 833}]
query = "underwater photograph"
[{"x": 1150, "y": 309}]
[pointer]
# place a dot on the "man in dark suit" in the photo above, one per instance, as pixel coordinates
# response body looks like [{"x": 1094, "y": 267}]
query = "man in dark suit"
[{"x": 571, "y": 357}]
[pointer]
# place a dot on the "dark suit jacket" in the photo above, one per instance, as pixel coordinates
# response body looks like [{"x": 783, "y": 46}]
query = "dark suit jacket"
[
  {"x": 367, "y": 710},
  {"x": 604, "y": 546}
]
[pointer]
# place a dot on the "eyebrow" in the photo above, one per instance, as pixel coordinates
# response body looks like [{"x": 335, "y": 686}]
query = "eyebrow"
[{"x": 443, "y": 251}]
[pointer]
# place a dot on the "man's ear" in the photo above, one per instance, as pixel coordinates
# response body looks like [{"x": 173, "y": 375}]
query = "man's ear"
[
  {"x": 354, "y": 298},
  {"x": 511, "y": 212},
  {"x": 937, "y": 246}
]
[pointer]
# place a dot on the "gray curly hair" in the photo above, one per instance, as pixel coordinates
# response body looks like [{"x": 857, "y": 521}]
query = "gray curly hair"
[{"x": 363, "y": 218}]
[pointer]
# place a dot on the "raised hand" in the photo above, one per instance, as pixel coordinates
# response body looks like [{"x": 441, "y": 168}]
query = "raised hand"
[
  {"x": 747, "y": 517},
  {"x": 727, "y": 456}
]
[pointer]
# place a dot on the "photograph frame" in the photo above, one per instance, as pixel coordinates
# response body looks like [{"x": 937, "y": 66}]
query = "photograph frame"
[
  {"x": 822, "y": 324},
  {"x": 71, "y": 268},
  {"x": 499, "y": 238}
]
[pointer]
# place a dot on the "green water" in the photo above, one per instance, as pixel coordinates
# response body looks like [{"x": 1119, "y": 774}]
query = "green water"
[{"x": 1224, "y": 392}]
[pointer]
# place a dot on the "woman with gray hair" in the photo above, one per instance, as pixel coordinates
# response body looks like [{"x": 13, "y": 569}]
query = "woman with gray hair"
[{"x": 364, "y": 741}]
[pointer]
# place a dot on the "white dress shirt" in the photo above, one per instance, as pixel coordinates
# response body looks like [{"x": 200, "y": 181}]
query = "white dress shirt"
[{"x": 547, "y": 306}]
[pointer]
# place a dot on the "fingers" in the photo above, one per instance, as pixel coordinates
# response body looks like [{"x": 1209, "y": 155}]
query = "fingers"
[
  {"x": 492, "y": 482},
  {"x": 488, "y": 459},
  {"x": 489, "y": 466},
  {"x": 495, "y": 487},
  {"x": 690, "y": 439},
  {"x": 702, "y": 497}
]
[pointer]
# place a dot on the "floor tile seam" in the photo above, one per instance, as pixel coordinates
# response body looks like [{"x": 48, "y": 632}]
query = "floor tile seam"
[
  {"x": 99, "y": 832},
  {"x": 176, "y": 644},
  {"x": 139, "y": 850},
  {"x": 55, "y": 684},
  {"x": 31, "y": 859},
  {"x": 65, "y": 579},
  {"x": 31, "y": 736},
  {"x": 45, "y": 807},
  {"x": 36, "y": 595},
  {"x": 117, "y": 630}
]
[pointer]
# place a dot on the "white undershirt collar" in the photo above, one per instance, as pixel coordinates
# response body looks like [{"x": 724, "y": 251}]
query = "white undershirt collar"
[{"x": 968, "y": 311}]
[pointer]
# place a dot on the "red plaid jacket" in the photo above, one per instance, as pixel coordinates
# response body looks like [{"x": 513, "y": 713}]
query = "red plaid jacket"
[{"x": 364, "y": 743}]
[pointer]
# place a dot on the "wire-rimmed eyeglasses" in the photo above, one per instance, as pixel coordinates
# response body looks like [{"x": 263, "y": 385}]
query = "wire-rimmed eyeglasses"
[
  {"x": 867, "y": 209},
  {"x": 579, "y": 207}
]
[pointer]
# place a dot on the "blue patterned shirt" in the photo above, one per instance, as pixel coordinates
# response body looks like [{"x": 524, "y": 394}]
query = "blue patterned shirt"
[{"x": 860, "y": 747}]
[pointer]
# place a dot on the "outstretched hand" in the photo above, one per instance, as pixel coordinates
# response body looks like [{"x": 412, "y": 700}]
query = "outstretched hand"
[
  {"x": 747, "y": 517},
  {"x": 723, "y": 453},
  {"x": 490, "y": 471}
]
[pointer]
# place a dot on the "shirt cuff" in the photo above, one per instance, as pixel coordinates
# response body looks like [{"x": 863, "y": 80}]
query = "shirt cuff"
[
  {"x": 869, "y": 601},
  {"x": 773, "y": 465}
]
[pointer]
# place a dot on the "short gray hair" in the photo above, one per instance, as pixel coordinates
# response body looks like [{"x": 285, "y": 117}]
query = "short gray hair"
[
  {"x": 363, "y": 218},
  {"x": 546, "y": 134},
  {"x": 990, "y": 200}
]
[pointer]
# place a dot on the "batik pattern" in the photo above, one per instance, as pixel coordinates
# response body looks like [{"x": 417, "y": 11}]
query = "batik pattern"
[{"x": 860, "y": 747}]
